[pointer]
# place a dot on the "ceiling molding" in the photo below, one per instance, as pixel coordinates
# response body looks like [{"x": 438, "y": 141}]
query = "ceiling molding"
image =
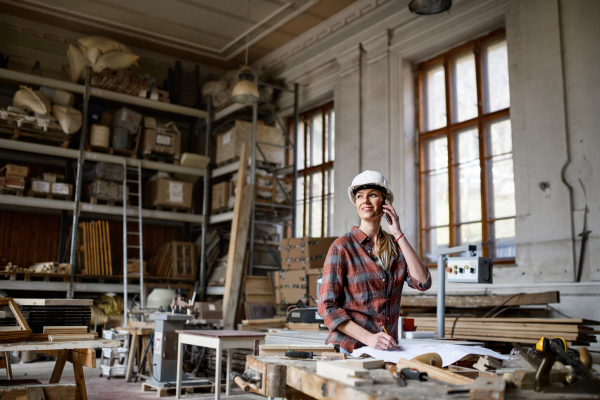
[{"x": 289, "y": 10}]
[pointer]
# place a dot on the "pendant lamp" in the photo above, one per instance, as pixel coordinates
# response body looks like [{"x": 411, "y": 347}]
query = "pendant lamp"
[
  {"x": 245, "y": 91},
  {"x": 429, "y": 7}
]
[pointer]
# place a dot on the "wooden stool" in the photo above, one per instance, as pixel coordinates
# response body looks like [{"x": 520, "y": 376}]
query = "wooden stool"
[{"x": 135, "y": 350}]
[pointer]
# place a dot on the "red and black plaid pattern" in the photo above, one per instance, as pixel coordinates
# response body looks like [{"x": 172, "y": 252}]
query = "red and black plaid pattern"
[{"x": 355, "y": 288}]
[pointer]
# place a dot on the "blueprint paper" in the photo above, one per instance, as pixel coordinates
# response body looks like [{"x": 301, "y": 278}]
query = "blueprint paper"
[{"x": 450, "y": 353}]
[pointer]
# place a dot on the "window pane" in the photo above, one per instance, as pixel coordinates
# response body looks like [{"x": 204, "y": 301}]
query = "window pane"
[
  {"x": 315, "y": 141},
  {"x": 470, "y": 234},
  {"x": 315, "y": 199},
  {"x": 436, "y": 182},
  {"x": 500, "y": 170},
  {"x": 328, "y": 220},
  {"x": 435, "y": 98},
  {"x": 464, "y": 85},
  {"x": 500, "y": 137},
  {"x": 436, "y": 239},
  {"x": 300, "y": 146},
  {"x": 299, "y": 207},
  {"x": 495, "y": 76},
  {"x": 467, "y": 175},
  {"x": 330, "y": 136},
  {"x": 436, "y": 153},
  {"x": 502, "y": 243}
]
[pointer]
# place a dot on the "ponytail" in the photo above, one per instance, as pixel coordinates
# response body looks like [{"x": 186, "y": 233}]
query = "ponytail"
[{"x": 386, "y": 247}]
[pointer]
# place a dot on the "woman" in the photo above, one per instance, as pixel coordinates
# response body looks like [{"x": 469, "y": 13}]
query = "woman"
[{"x": 366, "y": 269}]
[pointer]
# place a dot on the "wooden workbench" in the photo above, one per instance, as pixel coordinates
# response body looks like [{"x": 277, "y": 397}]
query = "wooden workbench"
[
  {"x": 79, "y": 353},
  {"x": 298, "y": 380}
]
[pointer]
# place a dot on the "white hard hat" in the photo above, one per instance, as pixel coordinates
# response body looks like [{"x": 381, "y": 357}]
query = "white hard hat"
[{"x": 370, "y": 179}]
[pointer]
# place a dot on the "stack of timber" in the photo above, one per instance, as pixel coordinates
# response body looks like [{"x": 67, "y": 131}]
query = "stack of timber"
[
  {"x": 175, "y": 260},
  {"x": 575, "y": 331},
  {"x": 238, "y": 360},
  {"x": 65, "y": 313},
  {"x": 21, "y": 331},
  {"x": 68, "y": 333},
  {"x": 94, "y": 248}
]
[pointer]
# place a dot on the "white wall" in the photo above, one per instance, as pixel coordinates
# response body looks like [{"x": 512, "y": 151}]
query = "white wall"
[{"x": 555, "y": 92}]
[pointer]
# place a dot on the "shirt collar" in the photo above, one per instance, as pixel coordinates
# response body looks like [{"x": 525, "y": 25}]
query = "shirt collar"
[{"x": 359, "y": 235}]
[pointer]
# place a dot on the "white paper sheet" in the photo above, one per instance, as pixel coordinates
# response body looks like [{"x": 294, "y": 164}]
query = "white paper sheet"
[{"x": 450, "y": 353}]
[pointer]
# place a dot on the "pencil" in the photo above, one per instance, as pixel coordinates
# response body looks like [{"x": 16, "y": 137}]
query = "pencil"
[{"x": 383, "y": 327}]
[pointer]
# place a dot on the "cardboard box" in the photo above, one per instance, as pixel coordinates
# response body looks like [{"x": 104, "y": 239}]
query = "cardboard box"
[
  {"x": 48, "y": 177},
  {"x": 312, "y": 275},
  {"x": 15, "y": 170},
  {"x": 313, "y": 262},
  {"x": 64, "y": 189},
  {"x": 40, "y": 186},
  {"x": 229, "y": 143},
  {"x": 13, "y": 182},
  {"x": 220, "y": 195},
  {"x": 133, "y": 267},
  {"x": 191, "y": 160},
  {"x": 209, "y": 310},
  {"x": 162, "y": 140},
  {"x": 166, "y": 192},
  {"x": 290, "y": 286},
  {"x": 311, "y": 247},
  {"x": 287, "y": 244}
]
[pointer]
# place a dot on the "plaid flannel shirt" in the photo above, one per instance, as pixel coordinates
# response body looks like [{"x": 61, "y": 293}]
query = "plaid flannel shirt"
[{"x": 355, "y": 287}]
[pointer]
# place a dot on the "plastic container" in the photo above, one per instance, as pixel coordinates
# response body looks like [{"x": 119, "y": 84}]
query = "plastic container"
[{"x": 99, "y": 135}]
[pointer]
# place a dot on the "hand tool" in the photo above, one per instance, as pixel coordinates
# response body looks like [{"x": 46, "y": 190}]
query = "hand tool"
[{"x": 408, "y": 373}]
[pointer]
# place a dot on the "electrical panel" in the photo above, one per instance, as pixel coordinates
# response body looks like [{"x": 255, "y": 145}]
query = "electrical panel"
[{"x": 470, "y": 270}]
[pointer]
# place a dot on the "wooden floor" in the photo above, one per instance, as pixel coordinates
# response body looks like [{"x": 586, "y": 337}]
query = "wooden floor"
[{"x": 113, "y": 389}]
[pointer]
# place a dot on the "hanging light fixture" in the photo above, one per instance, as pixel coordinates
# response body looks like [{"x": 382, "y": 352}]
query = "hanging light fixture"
[
  {"x": 429, "y": 7},
  {"x": 245, "y": 91}
]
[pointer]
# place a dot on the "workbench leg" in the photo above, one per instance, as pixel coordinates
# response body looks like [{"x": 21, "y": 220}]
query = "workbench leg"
[
  {"x": 9, "y": 375},
  {"x": 132, "y": 354},
  {"x": 59, "y": 366},
  {"x": 80, "y": 381},
  {"x": 179, "y": 370},
  {"x": 218, "y": 368},
  {"x": 227, "y": 381}
]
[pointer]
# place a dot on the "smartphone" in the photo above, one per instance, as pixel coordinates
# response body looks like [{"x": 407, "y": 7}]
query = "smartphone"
[{"x": 387, "y": 217}]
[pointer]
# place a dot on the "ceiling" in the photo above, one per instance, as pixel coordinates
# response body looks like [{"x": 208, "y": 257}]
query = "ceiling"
[{"x": 213, "y": 32}]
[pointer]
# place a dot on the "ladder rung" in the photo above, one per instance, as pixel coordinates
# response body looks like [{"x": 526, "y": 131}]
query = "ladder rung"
[
  {"x": 133, "y": 247},
  {"x": 133, "y": 194},
  {"x": 133, "y": 233},
  {"x": 131, "y": 180},
  {"x": 133, "y": 220},
  {"x": 133, "y": 259},
  {"x": 132, "y": 168}
]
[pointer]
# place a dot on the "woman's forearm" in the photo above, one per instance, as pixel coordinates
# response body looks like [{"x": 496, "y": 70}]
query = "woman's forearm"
[
  {"x": 354, "y": 330},
  {"x": 416, "y": 267}
]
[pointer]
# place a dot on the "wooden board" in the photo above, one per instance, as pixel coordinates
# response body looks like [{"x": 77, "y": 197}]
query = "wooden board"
[
  {"x": 54, "y": 302},
  {"x": 280, "y": 349},
  {"x": 344, "y": 373},
  {"x": 571, "y": 321},
  {"x": 235, "y": 264},
  {"x": 434, "y": 372},
  {"x": 514, "y": 326},
  {"x": 50, "y": 391},
  {"x": 232, "y": 281},
  {"x": 68, "y": 338},
  {"x": 482, "y": 301}
]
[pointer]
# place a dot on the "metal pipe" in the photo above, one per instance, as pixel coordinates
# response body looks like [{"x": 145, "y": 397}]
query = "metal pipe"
[
  {"x": 295, "y": 155},
  {"x": 205, "y": 210},
  {"x": 78, "y": 182},
  {"x": 125, "y": 282},
  {"x": 141, "y": 238},
  {"x": 63, "y": 220}
]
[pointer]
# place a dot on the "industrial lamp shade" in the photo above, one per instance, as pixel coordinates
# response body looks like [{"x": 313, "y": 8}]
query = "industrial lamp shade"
[
  {"x": 245, "y": 91},
  {"x": 429, "y": 7}
]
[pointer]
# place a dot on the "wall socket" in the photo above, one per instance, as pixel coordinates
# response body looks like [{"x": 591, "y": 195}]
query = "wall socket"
[{"x": 470, "y": 270}]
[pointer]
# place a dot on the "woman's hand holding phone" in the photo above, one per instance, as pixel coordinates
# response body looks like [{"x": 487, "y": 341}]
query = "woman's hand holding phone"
[{"x": 392, "y": 219}]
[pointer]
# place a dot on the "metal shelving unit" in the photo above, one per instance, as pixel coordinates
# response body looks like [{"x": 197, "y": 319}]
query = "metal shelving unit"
[
  {"x": 276, "y": 172},
  {"x": 81, "y": 155}
]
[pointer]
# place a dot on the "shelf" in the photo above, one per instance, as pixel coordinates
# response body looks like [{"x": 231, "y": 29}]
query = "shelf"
[
  {"x": 100, "y": 157},
  {"x": 230, "y": 109},
  {"x": 35, "y": 202},
  {"x": 63, "y": 286},
  {"x": 218, "y": 218},
  {"x": 106, "y": 94}
]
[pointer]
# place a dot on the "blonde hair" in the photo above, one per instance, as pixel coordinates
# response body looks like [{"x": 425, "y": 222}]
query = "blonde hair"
[{"x": 386, "y": 247}]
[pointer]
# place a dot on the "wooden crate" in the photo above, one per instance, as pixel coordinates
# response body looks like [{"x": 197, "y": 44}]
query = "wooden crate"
[{"x": 183, "y": 260}]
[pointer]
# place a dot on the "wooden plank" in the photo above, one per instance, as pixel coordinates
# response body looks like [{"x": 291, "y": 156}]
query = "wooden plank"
[
  {"x": 280, "y": 349},
  {"x": 344, "y": 373},
  {"x": 521, "y": 334},
  {"x": 262, "y": 321},
  {"x": 17, "y": 313},
  {"x": 109, "y": 252},
  {"x": 434, "y": 372},
  {"x": 258, "y": 285},
  {"x": 365, "y": 363},
  {"x": 235, "y": 263},
  {"x": 71, "y": 329},
  {"x": 54, "y": 302},
  {"x": 510, "y": 326},
  {"x": 59, "y": 366},
  {"x": 85, "y": 357},
  {"x": 235, "y": 222},
  {"x": 572, "y": 321},
  {"x": 50, "y": 392},
  {"x": 69, "y": 338},
  {"x": 483, "y": 301}
]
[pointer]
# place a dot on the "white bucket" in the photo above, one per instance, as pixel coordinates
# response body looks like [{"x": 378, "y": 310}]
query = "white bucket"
[{"x": 99, "y": 135}]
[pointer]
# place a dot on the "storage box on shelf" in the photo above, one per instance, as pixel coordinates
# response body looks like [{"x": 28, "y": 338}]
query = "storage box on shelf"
[
  {"x": 229, "y": 143},
  {"x": 169, "y": 194}
]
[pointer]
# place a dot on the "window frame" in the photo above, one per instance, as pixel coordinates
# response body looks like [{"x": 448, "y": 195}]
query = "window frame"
[
  {"x": 480, "y": 121},
  {"x": 303, "y": 170}
]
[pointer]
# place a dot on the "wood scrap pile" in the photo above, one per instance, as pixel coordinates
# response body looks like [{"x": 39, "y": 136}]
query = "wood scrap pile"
[
  {"x": 94, "y": 248},
  {"x": 575, "y": 331},
  {"x": 238, "y": 360},
  {"x": 175, "y": 260}
]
